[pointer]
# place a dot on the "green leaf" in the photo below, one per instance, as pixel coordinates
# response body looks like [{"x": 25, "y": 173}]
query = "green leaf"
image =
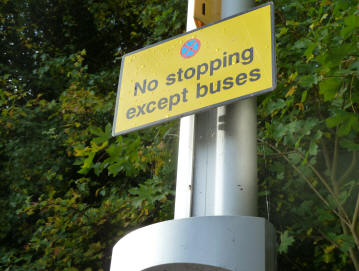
[
  {"x": 307, "y": 81},
  {"x": 346, "y": 122},
  {"x": 115, "y": 168},
  {"x": 285, "y": 242},
  {"x": 354, "y": 66},
  {"x": 313, "y": 148},
  {"x": 345, "y": 242},
  {"x": 349, "y": 144},
  {"x": 102, "y": 136},
  {"x": 329, "y": 88},
  {"x": 334, "y": 121},
  {"x": 309, "y": 51},
  {"x": 351, "y": 122},
  {"x": 295, "y": 158},
  {"x": 302, "y": 43},
  {"x": 304, "y": 96},
  {"x": 351, "y": 23}
]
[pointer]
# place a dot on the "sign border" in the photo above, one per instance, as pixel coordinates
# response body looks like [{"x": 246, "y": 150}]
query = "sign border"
[{"x": 147, "y": 125}]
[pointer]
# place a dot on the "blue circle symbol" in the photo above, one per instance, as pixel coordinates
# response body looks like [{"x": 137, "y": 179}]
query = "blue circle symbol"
[{"x": 190, "y": 48}]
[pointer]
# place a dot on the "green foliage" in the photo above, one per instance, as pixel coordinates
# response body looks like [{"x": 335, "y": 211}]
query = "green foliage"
[
  {"x": 68, "y": 189},
  {"x": 308, "y": 136}
]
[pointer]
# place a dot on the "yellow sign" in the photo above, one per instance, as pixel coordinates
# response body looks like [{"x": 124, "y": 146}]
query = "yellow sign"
[{"x": 217, "y": 64}]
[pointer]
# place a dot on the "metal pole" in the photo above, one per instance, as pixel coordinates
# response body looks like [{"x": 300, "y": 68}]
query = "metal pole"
[
  {"x": 185, "y": 150},
  {"x": 217, "y": 163},
  {"x": 236, "y": 160},
  {"x": 236, "y": 157}
]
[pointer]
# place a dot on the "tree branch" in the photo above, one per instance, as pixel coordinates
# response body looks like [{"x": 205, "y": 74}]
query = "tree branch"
[
  {"x": 354, "y": 223},
  {"x": 350, "y": 93},
  {"x": 330, "y": 190},
  {"x": 355, "y": 236},
  {"x": 352, "y": 253},
  {"x": 335, "y": 158},
  {"x": 356, "y": 213},
  {"x": 349, "y": 169},
  {"x": 327, "y": 238},
  {"x": 275, "y": 154},
  {"x": 308, "y": 182},
  {"x": 326, "y": 156}
]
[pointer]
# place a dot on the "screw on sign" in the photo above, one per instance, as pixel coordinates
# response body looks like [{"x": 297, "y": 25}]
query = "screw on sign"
[{"x": 190, "y": 48}]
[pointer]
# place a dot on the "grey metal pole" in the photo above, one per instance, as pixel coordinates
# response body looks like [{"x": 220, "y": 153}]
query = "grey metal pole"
[
  {"x": 236, "y": 161},
  {"x": 217, "y": 162},
  {"x": 236, "y": 156}
]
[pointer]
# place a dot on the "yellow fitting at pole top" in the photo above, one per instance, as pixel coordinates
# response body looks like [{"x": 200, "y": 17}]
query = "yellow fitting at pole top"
[{"x": 206, "y": 11}]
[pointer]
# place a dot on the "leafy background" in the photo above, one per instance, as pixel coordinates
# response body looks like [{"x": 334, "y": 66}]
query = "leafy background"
[{"x": 69, "y": 190}]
